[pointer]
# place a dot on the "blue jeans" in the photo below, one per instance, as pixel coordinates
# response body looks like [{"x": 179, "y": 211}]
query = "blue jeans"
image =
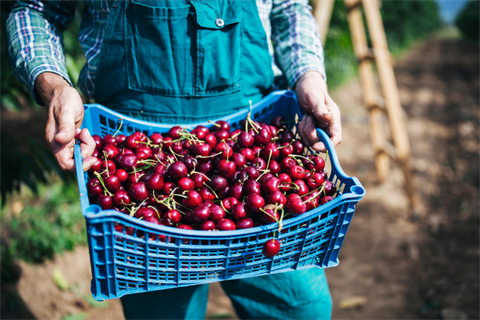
[{"x": 302, "y": 294}]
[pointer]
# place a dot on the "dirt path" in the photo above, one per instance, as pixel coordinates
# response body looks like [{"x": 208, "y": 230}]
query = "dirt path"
[{"x": 407, "y": 269}]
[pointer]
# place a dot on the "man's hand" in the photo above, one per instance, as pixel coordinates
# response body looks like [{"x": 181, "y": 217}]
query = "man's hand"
[
  {"x": 65, "y": 116},
  {"x": 319, "y": 108}
]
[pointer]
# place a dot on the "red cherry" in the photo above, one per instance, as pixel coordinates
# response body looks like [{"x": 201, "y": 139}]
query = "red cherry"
[
  {"x": 296, "y": 172},
  {"x": 297, "y": 147},
  {"x": 286, "y": 150},
  {"x": 110, "y": 151},
  {"x": 255, "y": 202},
  {"x": 263, "y": 137},
  {"x": 278, "y": 121},
  {"x": 277, "y": 197},
  {"x": 174, "y": 132},
  {"x": 284, "y": 182},
  {"x": 109, "y": 139},
  {"x": 286, "y": 163},
  {"x": 155, "y": 182},
  {"x": 121, "y": 198},
  {"x": 271, "y": 248},
  {"x": 201, "y": 213},
  {"x": 239, "y": 160},
  {"x": 217, "y": 213},
  {"x": 251, "y": 187},
  {"x": 303, "y": 189},
  {"x": 271, "y": 185},
  {"x": 236, "y": 190},
  {"x": 270, "y": 148},
  {"x": 168, "y": 187},
  {"x": 112, "y": 183},
  {"x": 270, "y": 216},
  {"x": 330, "y": 189},
  {"x": 193, "y": 199},
  {"x": 128, "y": 162},
  {"x": 248, "y": 154},
  {"x": 138, "y": 191},
  {"x": 325, "y": 200},
  {"x": 207, "y": 225},
  {"x": 226, "y": 225},
  {"x": 121, "y": 139},
  {"x": 245, "y": 223},
  {"x": 246, "y": 139},
  {"x": 211, "y": 140},
  {"x": 229, "y": 203},
  {"x": 226, "y": 168},
  {"x": 225, "y": 149},
  {"x": 221, "y": 135},
  {"x": 311, "y": 200},
  {"x": 315, "y": 181},
  {"x": 110, "y": 165},
  {"x": 222, "y": 125},
  {"x": 239, "y": 210},
  {"x": 94, "y": 188},
  {"x": 206, "y": 194},
  {"x": 296, "y": 206},
  {"x": 274, "y": 167},
  {"x": 98, "y": 142},
  {"x": 105, "y": 202},
  {"x": 177, "y": 169},
  {"x": 218, "y": 183}
]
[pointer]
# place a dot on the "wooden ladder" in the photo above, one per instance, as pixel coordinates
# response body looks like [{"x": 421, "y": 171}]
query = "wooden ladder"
[{"x": 375, "y": 104}]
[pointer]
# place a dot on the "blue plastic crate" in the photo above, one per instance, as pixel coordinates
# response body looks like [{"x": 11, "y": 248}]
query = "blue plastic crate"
[{"x": 159, "y": 257}]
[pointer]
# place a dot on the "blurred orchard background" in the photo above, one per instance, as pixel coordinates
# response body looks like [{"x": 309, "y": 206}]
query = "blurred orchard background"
[{"x": 392, "y": 266}]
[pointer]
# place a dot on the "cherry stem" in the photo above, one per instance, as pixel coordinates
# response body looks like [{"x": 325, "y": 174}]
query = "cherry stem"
[
  {"x": 202, "y": 174},
  {"x": 321, "y": 188},
  {"x": 221, "y": 204},
  {"x": 215, "y": 124},
  {"x": 206, "y": 185},
  {"x": 299, "y": 156},
  {"x": 288, "y": 145},
  {"x": 210, "y": 156},
  {"x": 121, "y": 123},
  {"x": 99, "y": 177},
  {"x": 156, "y": 211},
  {"x": 326, "y": 156},
  {"x": 226, "y": 148}
]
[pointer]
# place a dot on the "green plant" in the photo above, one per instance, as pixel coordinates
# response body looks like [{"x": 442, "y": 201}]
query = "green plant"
[
  {"x": 52, "y": 224},
  {"x": 468, "y": 21}
]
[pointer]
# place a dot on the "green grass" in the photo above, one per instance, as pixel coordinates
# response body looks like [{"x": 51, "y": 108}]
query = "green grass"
[{"x": 48, "y": 224}]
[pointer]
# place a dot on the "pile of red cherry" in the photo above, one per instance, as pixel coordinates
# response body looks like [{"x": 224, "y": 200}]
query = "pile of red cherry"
[{"x": 210, "y": 180}]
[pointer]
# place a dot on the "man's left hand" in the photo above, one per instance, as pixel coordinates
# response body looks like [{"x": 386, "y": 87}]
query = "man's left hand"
[{"x": 319, "y": 108}]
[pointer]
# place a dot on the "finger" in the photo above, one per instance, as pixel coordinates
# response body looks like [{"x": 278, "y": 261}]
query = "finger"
[
  {"x": 64, "y": 157},
  {"x": 335, "y": 128},
  {"x": 65, "y": 126},
  {"x": 88, "y": 162},
  {"x": 87, "y": 144},
  {"x": 310, "y": 131},
  {"x": 322, "y": 113},
  {"x": 301, "y": 126}
]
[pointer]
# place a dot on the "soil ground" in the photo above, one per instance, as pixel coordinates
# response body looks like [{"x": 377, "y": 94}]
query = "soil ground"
[{"x": 401, "y": 266}]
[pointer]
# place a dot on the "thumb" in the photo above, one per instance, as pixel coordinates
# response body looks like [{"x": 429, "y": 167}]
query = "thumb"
[
  {"x": 321, "y": 112},
  {"x": 65, "y": 122}
]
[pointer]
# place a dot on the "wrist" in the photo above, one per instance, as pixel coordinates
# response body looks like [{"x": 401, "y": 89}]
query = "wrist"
[
  {"x": 311, "y": 77},
  {"x": 48, "y": 84}
]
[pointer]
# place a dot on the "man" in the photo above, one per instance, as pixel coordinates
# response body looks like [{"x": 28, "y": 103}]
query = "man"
[{"x": 181, "y": 61}]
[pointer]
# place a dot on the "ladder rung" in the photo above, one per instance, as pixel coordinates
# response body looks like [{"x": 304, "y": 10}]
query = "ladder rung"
[
  {"x": 353, "y": 4},
  {"x": 389, "y": 150},
  {"x": 366, "y": 53},
  {"x": 379, "y": 103}
]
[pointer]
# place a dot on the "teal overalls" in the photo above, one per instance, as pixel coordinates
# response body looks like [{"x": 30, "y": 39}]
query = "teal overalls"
[{"x": 180, "y": 62}]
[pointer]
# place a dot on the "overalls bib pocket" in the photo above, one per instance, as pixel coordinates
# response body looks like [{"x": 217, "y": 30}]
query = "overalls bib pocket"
[
  {"x": 218, "y": 47},
  {"x": 159, "y": 47}
]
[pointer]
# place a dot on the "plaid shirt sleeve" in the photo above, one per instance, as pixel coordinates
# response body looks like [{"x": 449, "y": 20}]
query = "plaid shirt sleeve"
[
  {"x": 35, "y": 42},
  {"x": 298, "y": 47}
]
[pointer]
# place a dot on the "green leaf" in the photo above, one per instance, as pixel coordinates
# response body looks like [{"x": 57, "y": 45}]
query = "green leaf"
[
  {"x": 9, "y": 103},
  {"x": 76, "y": 316},
  {"x": 59, "y": 279},
  {"x": 94, "y": 303}
]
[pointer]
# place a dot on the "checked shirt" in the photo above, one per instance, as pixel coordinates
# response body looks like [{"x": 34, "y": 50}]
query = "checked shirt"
[{"x": 35, "y": 42}]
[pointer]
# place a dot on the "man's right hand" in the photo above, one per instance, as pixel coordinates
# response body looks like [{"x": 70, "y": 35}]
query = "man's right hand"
[{"x": 65, "y": 116}]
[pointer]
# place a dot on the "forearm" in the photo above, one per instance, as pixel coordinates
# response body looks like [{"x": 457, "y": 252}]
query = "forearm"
[
  {"x": 298, "y": 47},
  {"x": 35, "y": 41}
]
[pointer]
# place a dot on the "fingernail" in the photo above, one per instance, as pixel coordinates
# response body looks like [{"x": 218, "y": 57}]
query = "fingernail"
[{"x": 77, "y": 130}]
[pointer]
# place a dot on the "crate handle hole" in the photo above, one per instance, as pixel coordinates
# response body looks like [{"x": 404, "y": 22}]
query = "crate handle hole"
[
  {"x": 94, "y": 209},
  {"x": 358, "y": 190},
  {"x": 289, "y": 94}
]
